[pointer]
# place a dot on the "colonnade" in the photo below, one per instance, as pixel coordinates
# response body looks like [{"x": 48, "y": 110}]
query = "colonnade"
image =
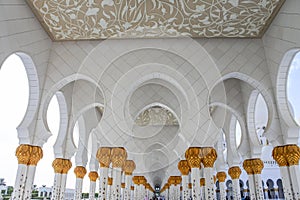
[
  {"x": 201, "y": 159},
  {"x": 191, "y": 184}
]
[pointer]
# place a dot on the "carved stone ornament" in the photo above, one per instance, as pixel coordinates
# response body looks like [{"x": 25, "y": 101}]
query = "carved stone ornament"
[
  {"x": 183, "y": 167},
  {"x": 234, "y": 172},
  {"x": 221, "y": 176},
  {"x": 156, "y": 116},
  {"x": 118, "y": 157},
  {"x": 80, "y": 172},
  {"x": 192, "y": 155},
  {"x": 102, "y": 19},
  {"x": 129, "y": 167},
  {"x": 103, "y": 156},
  {"x": 209, "y": 156},
  {"x": 61, "y": 166},
  {"x": 93, "y": 176},
  {"x": 28, "y": 154}
]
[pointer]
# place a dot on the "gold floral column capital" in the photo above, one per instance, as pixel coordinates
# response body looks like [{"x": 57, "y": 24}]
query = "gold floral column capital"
[
  {"x": 93, "y": 176},
  {"x": 129, "y": 167},
  {"x": 221, "y": 176},
  {"x": 23, "y": 153},
  {"x": 80, "y": 172},
  {"x": 247, "y": 165},
  {"x": 104, "y": 156},
  {"x": 234, "y": 172},
  {"x": 183, "y": 167},
  {"x": 257, "y": 165},
  {"x": 35, "y": 156},
  {"x": 61, "y": 166},
  {"x": 292, "y": 153},
  {"x": 209, "y": 156},
  {"x": 202, "y": 182},
  {"x": 192, "y": 155},
  {"x": 278, "y": 154},
  {"x": 118, "y": 157}
]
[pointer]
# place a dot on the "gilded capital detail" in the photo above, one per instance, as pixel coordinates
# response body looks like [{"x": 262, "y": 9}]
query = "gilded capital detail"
[
  {"x": 192, "y": 155},
  {"x": 80, "y": 172},
  {"x": 103, "y": 156},
  {"x": 209, "y": 156},
  {"x": 183, "y": 167},
  {"x": 28, "y": 154},
  {"x": 93, "y": 176},
  {"x": 234, "y": 172},
  {"x": 118, "y": 157},
  {"x": 221, "y": 176},
  {"x": 61, "y": 166},
  {"x": 129, "y": 167},
  {"x": 287, "y": 155}
]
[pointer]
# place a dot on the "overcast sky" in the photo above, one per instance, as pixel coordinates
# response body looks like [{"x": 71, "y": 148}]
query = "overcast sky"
[{"x": 13, "y": 103}]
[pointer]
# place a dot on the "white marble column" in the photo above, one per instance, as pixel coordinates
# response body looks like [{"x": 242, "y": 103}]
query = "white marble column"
[
  {"x": 80, "y": 172},
  {"x": 258, "y": 187},
  {"x": 93, "y": 175},
  {"x": 28, "y": 157},
  {"x": 127, "y": 189},
  {"x": 280, "y": 154},
  {"x": 20, "y": 182},
  {"x": 293, "y": 157},
  {"x": 221, "y": 176},
  {"x": 184, "y": 168},
  {"x": 128, "y": 168},
  {"x": 29, "y": 181},
  {"x": 209, "y": 183},
  {"x": 118, "y": 158},
  {"x": 135, "y": 192},
  {"x": 185, "y": 187},
  {"x": 109, "y": 188},
  {"x": 295, "y": 177},
  {"x": 235, "y": 173},
  {"x": 103, "y": 157},
  {"x": 61, "y": 167},
  {"x": 251, "y": 186}
]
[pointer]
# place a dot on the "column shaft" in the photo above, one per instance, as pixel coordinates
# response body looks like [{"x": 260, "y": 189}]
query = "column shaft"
[
  {"x": 222, "y": 190},
  {"x": 92, "y": 190},
  {"x": 63, "y": 183},
  {"x": 20, "y": 182},
  {"x": 258, "y": 187},
  {"x": 251, "y": 186},
  {"x": 295, "y": 179},
  {"x": 195, "y": 179},
  {"x": 287, "y": 185},
  {"x": 103, "y": 183},
  {"x": 236, "y": 189},
  {"x": 116, "y": 186},
  {"x": 78, "y": 189},
  {"x": 56, "y": 187},
  {"x": 185, "y": 189},
  {"x": 209, "y": 183},
  {"x": 127, "y": 187}
]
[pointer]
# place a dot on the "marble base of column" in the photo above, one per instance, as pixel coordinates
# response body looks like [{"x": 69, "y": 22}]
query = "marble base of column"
[
  {"x": 92, "y": 190},
  {"x": 18, "y": 193}
]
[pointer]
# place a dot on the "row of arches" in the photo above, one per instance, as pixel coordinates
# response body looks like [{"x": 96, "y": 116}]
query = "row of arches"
[{"x": 57, "y": 95}]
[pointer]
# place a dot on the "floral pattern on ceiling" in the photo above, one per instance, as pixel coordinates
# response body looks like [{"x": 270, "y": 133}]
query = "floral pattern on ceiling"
[
  {"x": 156, "y": 116},
  {"x": 102, "y": 19}
]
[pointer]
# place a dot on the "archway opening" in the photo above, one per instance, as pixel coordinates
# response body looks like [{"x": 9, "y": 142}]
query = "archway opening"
[
  {"x": 238, "y": 133},
  {"x": 14, "y": 90},
  {"x": 293, "y": 83}
]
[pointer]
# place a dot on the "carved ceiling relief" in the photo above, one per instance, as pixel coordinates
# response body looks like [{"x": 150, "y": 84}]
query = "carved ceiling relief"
[
  {"x": 101, "y": 19},
  {"x": 156, "y": 116}
]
